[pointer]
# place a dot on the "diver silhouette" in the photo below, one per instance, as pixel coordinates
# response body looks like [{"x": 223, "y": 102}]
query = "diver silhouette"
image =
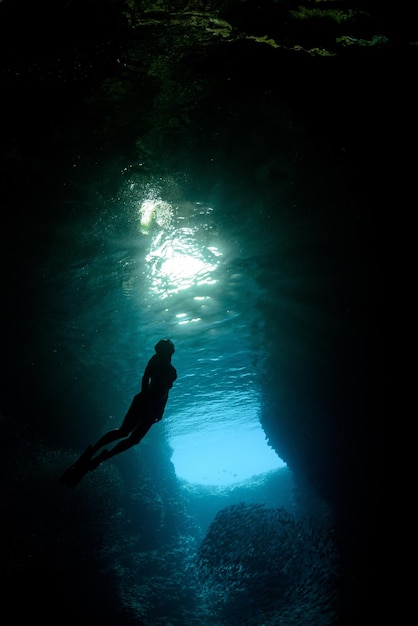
[{"x": 146, "y": 409}]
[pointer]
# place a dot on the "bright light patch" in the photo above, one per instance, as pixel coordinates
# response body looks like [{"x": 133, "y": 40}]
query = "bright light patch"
[
  {"x": 194, "y": 319},
  {"x": 154, "y": 210},
  {"x": 221, "y": 450},
  {"x": 223, "y": 457},
  {"x": 177, "y": 262},
  {"x": 182, "y": 268},
  {"x": 180, "y": 256}
]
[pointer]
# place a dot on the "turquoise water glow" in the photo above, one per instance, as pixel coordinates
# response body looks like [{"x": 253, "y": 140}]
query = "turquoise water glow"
[
  {"x": 217, "y": 439},
  {"x": 146, "y": 265},
  {"x": 222, "y": 455}
]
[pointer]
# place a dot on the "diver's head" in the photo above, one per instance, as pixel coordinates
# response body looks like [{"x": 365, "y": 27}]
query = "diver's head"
[{"x": 165, "y": 347}]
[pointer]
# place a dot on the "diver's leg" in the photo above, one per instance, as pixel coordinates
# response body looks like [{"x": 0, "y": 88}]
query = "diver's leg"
[
  {"x": 134, "y": 438},
  {"x": 112, "y": 435},
  {"x": 129, "y": 423}
]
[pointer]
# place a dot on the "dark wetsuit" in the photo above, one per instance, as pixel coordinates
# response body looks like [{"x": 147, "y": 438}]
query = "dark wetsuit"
[
  {"x": 148, "y": 405},
  {"x": 146, "y": 408}
]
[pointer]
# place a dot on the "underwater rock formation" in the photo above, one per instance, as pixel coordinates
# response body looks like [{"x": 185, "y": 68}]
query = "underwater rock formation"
[{"x": 263, "y": 566}]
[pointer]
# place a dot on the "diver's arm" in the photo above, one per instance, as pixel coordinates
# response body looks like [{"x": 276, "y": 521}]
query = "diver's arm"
[{"x": 146, "y": 377}]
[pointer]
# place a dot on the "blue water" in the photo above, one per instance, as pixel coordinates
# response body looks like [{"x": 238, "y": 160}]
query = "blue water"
[{"x": 124, "y": 271}]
